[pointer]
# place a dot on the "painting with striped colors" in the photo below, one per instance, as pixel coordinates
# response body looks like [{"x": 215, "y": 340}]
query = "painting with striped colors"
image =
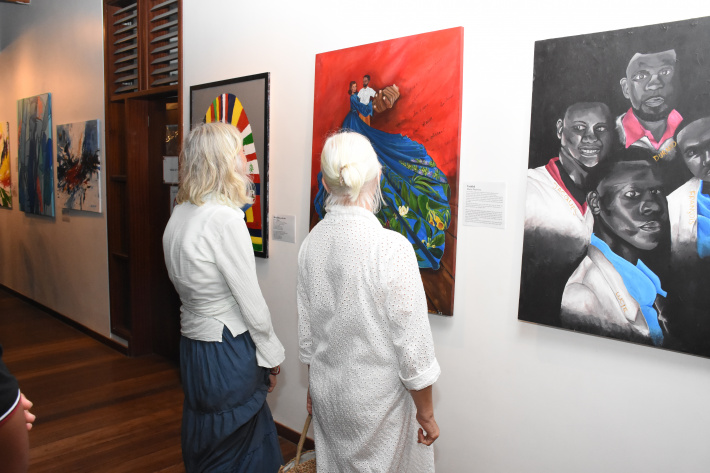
[
  {"x": 5, "y": 176},
  {"x": 244, "y": 103}
]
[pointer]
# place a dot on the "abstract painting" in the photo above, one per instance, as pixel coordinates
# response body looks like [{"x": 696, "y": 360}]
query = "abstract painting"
[
  {"x": 35, "y": 163},
  {"x": 404, "y": 95},
  {"x": 244, "y": 103},
  {"x": 79, "y": 166},
  {"x": 617, "y": 225},
  {"x": 5, "y": 176}
]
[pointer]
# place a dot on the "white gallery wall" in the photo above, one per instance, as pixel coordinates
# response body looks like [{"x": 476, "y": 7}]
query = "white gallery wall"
[
  {"x": 61, "y": 262},
  {"x": 512, "y": 397}
]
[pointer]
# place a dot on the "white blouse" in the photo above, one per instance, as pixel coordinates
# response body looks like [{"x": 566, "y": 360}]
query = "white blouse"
[
  {"x": 364, "y": 331},
  {"x": 210, "y": 260}
]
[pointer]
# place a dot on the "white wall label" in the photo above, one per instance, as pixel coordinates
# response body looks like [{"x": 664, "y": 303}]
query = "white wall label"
[
  {"x": 170, "y": 169},
  {"x": 484, "y": 204},
  {"x": 283, "y": 228}
]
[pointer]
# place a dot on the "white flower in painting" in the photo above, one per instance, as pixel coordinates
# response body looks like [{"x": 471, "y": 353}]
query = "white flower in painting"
[{"x": 403, "y": 210}]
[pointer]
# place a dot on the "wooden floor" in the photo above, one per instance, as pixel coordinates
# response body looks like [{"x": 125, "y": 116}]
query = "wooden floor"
[{"x": 97, "y": 410}]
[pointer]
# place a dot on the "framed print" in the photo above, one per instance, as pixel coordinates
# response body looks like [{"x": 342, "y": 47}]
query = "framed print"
[
  {"x": 79, "y": 166},
  {"x": 243, "y": 102}
]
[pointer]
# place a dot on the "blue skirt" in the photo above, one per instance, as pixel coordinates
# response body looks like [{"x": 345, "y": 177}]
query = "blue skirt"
[{"x": 226, "y": 423}]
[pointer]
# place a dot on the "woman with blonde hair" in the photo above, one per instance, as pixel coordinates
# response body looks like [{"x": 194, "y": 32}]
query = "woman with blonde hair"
[
  {"x": 363, "y": 326},
  {"x": 229, "y": 353}
]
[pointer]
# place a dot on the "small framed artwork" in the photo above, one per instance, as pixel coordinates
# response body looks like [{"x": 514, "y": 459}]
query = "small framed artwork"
[
  {"x": 243, "y": 102},
  {"x": 79, "y": 166}
]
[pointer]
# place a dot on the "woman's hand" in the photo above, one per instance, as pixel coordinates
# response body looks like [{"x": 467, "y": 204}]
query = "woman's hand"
[
  {"x": 429, "y": 430},
  {"x": 425, "y": 416},
  {"x": 272, "y": 377},
  {"x": 309, "y": 403},
  {"x": 27, "y": 405}
]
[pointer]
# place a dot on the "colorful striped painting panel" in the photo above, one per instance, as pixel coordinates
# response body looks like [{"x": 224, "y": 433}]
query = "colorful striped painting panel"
[{"x": 227, "y": 108}]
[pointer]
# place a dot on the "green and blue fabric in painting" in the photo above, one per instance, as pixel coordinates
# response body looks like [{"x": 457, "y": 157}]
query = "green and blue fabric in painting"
[{"x": 415, "y": 192}]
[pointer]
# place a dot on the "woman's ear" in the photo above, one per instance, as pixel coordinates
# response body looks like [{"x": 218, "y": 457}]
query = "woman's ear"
[{"x": 593, "y": 202}]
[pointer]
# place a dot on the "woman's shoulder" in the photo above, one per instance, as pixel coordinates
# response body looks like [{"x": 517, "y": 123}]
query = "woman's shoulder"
[
  {"x": 393, "y": 241},
  {"x": 212, "y": 209},
  {"x": 215, "y": 217}
]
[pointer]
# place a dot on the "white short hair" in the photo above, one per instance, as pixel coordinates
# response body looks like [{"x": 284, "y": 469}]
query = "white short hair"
[
  {"x": 210, "y": 165},
  {"x": 351, "y": 171}
]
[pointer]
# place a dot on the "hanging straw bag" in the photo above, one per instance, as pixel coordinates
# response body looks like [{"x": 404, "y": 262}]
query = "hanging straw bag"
[{"x": 305, "y": 462}]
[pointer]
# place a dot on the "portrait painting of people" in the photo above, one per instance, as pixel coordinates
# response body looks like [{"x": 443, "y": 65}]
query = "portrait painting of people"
[
  {"x": 404, "y": 96},
  {"x": 617, "y": 220}
]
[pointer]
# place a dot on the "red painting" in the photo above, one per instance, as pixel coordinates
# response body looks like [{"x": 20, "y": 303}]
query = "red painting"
[{"x": 412, "y": 87}]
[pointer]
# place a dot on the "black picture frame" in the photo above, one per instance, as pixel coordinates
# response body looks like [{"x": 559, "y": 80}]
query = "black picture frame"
[{"x": 252, "y": 93}]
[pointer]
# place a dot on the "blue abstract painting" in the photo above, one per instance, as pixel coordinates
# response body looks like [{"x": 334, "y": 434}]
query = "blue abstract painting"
[{"x": 34, "y": 155}]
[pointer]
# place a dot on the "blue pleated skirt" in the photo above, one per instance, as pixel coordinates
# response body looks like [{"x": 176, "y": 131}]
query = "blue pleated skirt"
[{"x": 226, "y": 423}]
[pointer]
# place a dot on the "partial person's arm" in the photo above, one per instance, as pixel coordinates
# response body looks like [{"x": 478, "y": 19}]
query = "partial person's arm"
[
  {"x": 272, "y": 378},
  {"x": 14, "y": 424},
  {"x": 305, "y": 343},
  {"x": 235, "y": 260},
  {"x": 14, "y": 442},
  {"x": 425, "y": 416},
  {"x": 411, "y": 336}
]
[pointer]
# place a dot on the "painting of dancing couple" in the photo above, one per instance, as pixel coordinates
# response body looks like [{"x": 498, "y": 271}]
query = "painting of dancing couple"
[
  {"x": 617, "y": 221},
  {"x": 404, "y": 95}
]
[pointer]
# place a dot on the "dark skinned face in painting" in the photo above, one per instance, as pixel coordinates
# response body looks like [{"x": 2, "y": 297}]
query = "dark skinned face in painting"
[
  {"x": 694, "y": 145},
  {"x": 585, "y": 136},
  {"x": 365, "y": 82},
  {"x": 630, "y": 209},
  {"x": 353, "y": 88},
  {"x": 650, "y": 84}
]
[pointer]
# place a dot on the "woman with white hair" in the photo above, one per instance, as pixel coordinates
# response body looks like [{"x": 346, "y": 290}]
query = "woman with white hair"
[
  {"x": 229, "y": 353},
  {"x": 363, "y": 326}
]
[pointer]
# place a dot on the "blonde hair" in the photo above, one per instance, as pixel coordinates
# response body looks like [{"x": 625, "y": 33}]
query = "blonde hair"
[
  {"x": 351, "y": 171},
  {"x": 210, "y": 166}
]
